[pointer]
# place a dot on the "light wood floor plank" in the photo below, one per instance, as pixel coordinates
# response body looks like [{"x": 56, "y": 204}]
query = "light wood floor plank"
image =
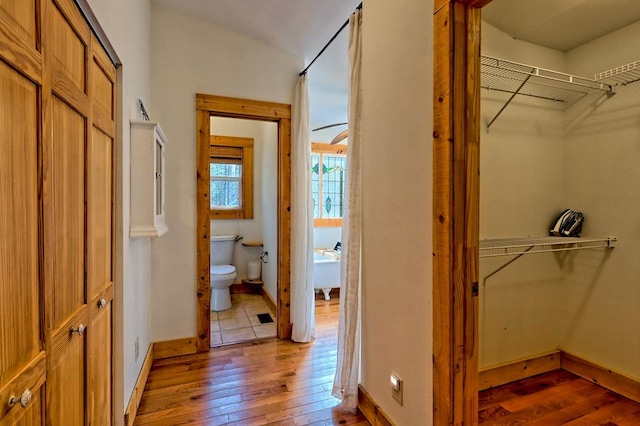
[
  {"x": 556, "y": 398},
  {"x": 265, "y": 382}
]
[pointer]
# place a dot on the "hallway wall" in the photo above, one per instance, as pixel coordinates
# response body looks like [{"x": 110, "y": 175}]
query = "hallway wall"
[
  {"x": 189, "y": 56},
  {"x": 397, "y": 203}
]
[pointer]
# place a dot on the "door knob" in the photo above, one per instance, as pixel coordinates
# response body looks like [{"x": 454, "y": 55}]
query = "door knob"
[
  {"x": 24, "y": 400},
  {"x": 102, "y": 303},
  {"x": 80, "y": 329}
]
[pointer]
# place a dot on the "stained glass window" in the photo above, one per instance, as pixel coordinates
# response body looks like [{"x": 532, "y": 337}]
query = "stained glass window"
[{"x": 328, "y": 178}]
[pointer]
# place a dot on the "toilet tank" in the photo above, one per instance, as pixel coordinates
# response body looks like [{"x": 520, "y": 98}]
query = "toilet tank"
[{"x": 222, "y": 249}]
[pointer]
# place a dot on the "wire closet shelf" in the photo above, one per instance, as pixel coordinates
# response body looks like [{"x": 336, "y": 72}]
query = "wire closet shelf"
[
  {"x": 521, "y": 246},
  {"x": 516, "y": 79},
  {"x": 620, "y": 76}
]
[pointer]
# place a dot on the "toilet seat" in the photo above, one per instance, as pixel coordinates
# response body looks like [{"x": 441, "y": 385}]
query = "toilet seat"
[
  {"x": 222, "y": 269},
  {"x": 221, "y": 272}
]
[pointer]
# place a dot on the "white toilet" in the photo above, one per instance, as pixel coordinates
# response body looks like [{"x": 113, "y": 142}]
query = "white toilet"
[{"x": 222, "y": 273}]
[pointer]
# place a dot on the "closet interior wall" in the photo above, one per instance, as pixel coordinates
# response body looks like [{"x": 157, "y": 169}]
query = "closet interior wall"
[{"x": 537, "y": 159}]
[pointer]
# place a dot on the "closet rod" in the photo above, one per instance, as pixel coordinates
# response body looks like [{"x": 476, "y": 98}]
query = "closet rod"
[
  {"x": 520, "y": 253},
  {"x": 304, "y": 71}
]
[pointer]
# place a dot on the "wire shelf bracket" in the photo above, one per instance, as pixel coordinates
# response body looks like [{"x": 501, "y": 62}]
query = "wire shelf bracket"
[{"x": 501, "y": 75}]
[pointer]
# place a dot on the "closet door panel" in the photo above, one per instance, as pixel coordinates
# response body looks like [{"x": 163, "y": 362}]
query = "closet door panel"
[
  {"x": 27, "y": 416},
  {"x": 100, "y": 152},
  {"x": 99, "y": 283},
  {"x": 66, "y": 401},
  {"x": 102, "y": 93},
  {"x": 69, "y": 50},
  {"x": 99, "y": 368},
  {"x": 66, "y": 377},
  {"x": 21, "y": 357},
  {"x": 99, "y": 217},
  {"x": 68, "y": 211},
  {"x": 20, "y": 17}
]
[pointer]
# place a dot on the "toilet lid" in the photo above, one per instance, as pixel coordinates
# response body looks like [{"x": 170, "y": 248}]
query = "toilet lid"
[{"x": 222, "y": 269}]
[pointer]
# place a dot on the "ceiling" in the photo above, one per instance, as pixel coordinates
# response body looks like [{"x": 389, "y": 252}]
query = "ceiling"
[
  {"x": 561, "y": 25},
  {"x": 302, "y": 27}
]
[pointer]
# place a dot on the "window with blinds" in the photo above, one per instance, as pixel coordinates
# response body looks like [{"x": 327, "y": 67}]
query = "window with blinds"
[{"x": 231, "y": 177}]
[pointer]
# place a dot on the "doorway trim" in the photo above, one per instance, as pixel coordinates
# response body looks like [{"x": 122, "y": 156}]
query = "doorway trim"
[
  {"x": 456, "y": 194},
  {"x": 219, "y": 106}
]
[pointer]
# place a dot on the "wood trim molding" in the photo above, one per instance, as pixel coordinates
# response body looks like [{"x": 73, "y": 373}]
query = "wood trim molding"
[
  {"x": 268, "y": 300},
  {"x": 245, "y": 288},
  {"x": 177, "y": 347},
  {"x": 605, "y": 377},
  {"x": 372, "y": 410},
  {"x": 456, "y": 210},
  {"x": 327, "y": 148},
  {"x": 138, "y": 389},
  {"x": 210, "y": 105},
  {"x": 522, "y": 369},
  {"x": 517, "y": 370}
]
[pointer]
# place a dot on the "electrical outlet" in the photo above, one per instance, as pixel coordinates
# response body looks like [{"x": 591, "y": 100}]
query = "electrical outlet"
[
  {"x": 137, "y": 347},
  {"x": 396, "y": 388}
]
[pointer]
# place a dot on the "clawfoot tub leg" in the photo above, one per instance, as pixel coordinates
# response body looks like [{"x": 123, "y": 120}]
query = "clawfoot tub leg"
[{"x": 326, "y": 292}]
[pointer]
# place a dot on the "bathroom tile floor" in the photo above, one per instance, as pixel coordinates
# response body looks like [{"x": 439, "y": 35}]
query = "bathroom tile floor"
[{"x": 241, "y": 322}]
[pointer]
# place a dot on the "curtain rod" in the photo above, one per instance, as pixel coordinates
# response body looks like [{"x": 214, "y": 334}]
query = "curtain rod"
[{"x": 304, "y": 71}]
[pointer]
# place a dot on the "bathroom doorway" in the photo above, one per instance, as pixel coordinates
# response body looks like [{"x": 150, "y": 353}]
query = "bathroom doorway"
[
  {"x": 275, "y": 237},
  {"x": 244, "y": 190}
]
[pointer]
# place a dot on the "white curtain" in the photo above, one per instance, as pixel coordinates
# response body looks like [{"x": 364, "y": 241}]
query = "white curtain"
[
  {"x": 345, "y": 384},
  {"x": 302, "y": 292}
]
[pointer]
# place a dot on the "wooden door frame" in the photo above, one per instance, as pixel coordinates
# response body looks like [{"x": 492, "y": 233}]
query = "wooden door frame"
[
  {"x": 456, "y": 190},
  {"x": 219, "y": 106}
]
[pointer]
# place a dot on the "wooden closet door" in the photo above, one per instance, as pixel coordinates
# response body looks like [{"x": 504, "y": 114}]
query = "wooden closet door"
[
  {"x": 67, "y": 43},
  {"x": 22, "y": 356},
  {"x": 100, "y": 154}
]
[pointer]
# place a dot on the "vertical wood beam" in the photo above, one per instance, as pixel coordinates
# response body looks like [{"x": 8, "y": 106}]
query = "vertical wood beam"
[
  {"x": 202, "y": 230},
  {"x": 456, "y": 210},
  {"x": 284, "y": 229}
]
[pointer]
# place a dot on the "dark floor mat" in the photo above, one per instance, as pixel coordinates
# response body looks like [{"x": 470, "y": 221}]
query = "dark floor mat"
[{"x": 265, "y": 318}]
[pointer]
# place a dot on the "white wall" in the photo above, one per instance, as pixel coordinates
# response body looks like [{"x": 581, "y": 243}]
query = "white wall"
[
  {"x": 326, "y": 237},
  {"x": 522, "y": 168},
  {"x": 397, "y": 204},
  {"x": 127, "y": 24},
  {"x": 263, "y": 227},
  {"x": 602, "y": 290},
  {"x": 192, "y": 56}
]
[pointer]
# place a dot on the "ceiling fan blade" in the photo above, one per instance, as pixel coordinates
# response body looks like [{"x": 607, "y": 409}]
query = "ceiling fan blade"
[
  {"x": 329, "y": 126},
  {"x": 340, "y": 137}
]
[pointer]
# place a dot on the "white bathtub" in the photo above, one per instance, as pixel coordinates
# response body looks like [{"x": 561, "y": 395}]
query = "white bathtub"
[{"x": 326, "y": 273}]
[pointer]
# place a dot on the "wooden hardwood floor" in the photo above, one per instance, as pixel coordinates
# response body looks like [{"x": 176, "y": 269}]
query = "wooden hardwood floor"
[
  {"x": 272, "y": 382},
  {"x": 556, "y": 398},
  {"x": 267, "y": 382}
]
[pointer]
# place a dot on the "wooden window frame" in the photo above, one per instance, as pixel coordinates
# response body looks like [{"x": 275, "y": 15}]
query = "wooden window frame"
[
  {"x": 325, "y": 148},
  {"x": 246, "y": 209}
]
